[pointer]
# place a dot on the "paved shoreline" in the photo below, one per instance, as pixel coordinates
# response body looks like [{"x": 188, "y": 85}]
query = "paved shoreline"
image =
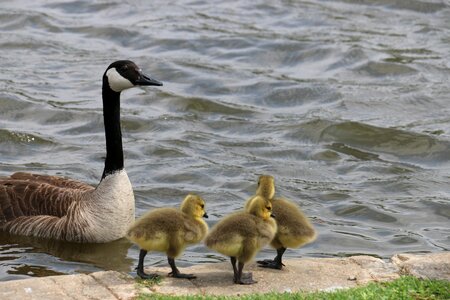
[{"x": 305, "y": 274}]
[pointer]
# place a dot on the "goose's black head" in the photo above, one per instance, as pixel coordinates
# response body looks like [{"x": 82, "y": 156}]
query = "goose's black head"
[{"x": 124, "y": 74}]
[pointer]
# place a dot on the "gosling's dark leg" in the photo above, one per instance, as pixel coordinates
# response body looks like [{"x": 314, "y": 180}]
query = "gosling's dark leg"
[
  {"x": 140, "y": 267},
  {"x": 235, "y": 271},
  {"x": 246, "y": 278},
  {"x": 176, "y": 273},
  {"x": 276, "y": 263}
]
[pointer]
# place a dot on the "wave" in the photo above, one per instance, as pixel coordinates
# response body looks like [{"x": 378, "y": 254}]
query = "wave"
[{"x": 366, "y": 141}]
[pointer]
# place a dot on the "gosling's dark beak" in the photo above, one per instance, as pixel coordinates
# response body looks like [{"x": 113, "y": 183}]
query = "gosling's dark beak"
[
  {"x": 146, "y": 80},
  {"x": 205, "y": 215},
  {"x": 273, "y": 216}
]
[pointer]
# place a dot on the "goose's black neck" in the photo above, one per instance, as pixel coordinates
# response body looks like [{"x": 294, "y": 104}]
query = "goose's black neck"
[{"x": 113, "y": 134}]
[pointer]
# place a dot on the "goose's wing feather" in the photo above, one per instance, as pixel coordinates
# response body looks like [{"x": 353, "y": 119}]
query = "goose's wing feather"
[
  {"x": 21, "y": 195},
  {"x": 52, "y": 180}
]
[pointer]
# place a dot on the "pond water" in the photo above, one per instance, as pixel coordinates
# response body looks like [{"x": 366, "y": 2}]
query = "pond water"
[{"x": 346, "y": 103}]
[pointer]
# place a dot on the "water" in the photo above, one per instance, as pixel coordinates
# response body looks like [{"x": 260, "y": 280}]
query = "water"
[{"x": 346, "y": 103}]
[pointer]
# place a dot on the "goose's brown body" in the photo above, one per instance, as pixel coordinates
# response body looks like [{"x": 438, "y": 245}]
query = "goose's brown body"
[
  {"x": 28, "y": 200},
  {"x": 65, "y": 209}
]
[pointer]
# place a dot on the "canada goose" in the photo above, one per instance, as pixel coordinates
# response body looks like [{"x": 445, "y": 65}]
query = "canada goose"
[
  {"x": 294, "y": 229},
  {"x": 65, "y": 209},
  {"x": 169, "y": 230},
  {"x": 241, "y": 235}
]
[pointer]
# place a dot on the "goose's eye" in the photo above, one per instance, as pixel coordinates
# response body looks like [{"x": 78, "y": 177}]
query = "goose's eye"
[
  {"x": 202, "y": 205},
  {"x": 268, "y": 208}
]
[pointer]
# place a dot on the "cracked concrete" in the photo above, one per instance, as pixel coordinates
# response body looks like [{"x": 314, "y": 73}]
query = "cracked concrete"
[{"x": 305, "y": 274}]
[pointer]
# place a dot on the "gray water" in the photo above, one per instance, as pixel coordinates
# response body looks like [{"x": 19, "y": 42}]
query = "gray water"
[{"x": 345, "y": 103}]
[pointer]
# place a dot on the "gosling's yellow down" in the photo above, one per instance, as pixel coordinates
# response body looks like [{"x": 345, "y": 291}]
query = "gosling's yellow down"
[
  {"x": 294, "y": 228},
  {"x": 241, "y": 235},
  {"x": 169, "y": 230}
]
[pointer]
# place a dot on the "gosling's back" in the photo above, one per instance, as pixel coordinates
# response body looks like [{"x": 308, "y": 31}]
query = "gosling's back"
[
  {"x": 155, "y": 222},
  {"x": 243, "y": 234},
  {"x": 166, "y": 230},
  {"x": 294, "y": 228}
]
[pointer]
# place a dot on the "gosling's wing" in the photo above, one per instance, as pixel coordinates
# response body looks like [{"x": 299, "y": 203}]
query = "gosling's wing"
[{"x": 293, "y": 224}]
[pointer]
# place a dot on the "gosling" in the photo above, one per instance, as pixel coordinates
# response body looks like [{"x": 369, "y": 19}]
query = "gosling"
[
  {"x": 294, "y": 228},
  {"x": 169, "y": 230},
  {"x": 241, "y": 235}
]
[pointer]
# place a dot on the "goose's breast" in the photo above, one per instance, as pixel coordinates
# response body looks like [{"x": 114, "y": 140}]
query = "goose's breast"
[{"x": 110, "y": 209}]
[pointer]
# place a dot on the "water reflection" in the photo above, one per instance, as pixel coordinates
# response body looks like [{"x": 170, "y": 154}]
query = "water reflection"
[{"x": 38, "y": 257}]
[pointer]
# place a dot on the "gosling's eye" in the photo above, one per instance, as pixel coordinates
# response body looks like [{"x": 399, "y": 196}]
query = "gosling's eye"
[
  {"x": 202, "y": 205},
  {"x": 268, "y": 208}
]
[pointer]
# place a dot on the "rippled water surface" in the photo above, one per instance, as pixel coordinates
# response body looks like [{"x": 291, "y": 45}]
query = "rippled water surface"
[{"x": 346, "y": 103}]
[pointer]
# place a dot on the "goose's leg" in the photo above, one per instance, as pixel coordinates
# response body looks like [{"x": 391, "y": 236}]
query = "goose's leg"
[
  {"x": 246, "y": 278},
  {"x": 140, "y": 267},
  {"x": 176, "y": 273},
  {"x": 276, "y": 263}
]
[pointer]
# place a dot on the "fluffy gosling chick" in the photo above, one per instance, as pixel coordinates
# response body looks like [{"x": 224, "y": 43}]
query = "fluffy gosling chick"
[
  {"x": 169, "y": 230},
  {"x": 294, "y": 228},
  {"x": 241, "y": 235}
]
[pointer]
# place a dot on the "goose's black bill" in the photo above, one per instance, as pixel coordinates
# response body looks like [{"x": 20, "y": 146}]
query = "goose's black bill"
[{"x": 147, "y": 80}]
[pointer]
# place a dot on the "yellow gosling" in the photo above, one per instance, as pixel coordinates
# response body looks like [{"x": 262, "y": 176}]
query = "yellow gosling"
[
  {"x": 169, "y": 230},
  {"x": 241, "y": 235},
  {"x": 294, "y": 228}
]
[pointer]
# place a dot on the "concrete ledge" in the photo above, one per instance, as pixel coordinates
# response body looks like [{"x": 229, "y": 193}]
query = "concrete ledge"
[
  {"x": 100, "y": 285},
  {"x": 306, "y": 274},
  {"x": 431, "y": 266}
]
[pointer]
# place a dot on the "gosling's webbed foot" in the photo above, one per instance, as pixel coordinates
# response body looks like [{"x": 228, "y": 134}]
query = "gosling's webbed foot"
[
  {"x": 176, "y": 273},
  {"x": 140, "y": 267},
  {"x": 246, "y": 279},
  {"x": 181, "y": 275},
  {"x": 271, "y": 264},
  {"x": 144, "y": 275},
  {"x": 265, "y": 261}
]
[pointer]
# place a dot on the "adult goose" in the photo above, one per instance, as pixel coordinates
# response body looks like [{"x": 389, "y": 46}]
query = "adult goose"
[{"x": 64, "y": 209}]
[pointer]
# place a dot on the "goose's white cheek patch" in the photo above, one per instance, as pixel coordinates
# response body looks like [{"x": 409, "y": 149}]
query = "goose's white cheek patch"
[{"x": 116, "y": 81}]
